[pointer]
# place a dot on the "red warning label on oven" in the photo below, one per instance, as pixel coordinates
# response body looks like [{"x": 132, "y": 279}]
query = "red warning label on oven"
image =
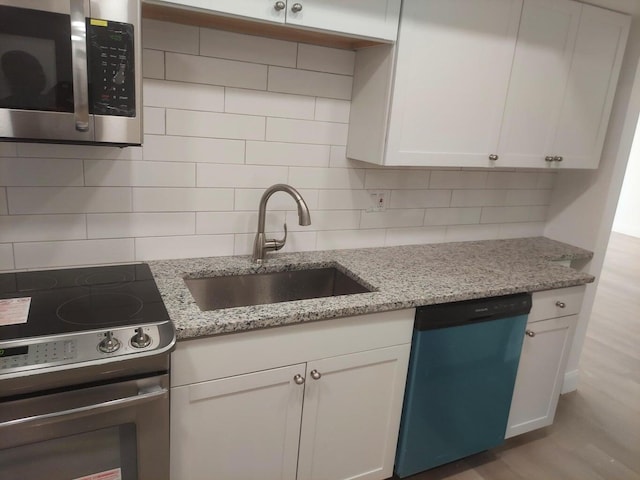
[
  {"x": 14, "y": 310},
  {"x": 115, "y": 474}
]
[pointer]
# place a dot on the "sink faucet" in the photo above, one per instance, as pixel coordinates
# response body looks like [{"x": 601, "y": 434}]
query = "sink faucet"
[{"x": 261, "y": 245}]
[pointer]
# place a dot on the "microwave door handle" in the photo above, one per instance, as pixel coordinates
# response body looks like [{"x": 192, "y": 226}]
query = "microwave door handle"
[{"x": 79, "y": 63}]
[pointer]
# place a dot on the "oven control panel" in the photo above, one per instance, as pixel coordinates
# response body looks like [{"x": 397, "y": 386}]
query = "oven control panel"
[{"x": 82, "y": 347}]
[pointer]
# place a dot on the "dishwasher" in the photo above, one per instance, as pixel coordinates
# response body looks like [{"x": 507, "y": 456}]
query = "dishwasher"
[{"x": 462, "y": 369}]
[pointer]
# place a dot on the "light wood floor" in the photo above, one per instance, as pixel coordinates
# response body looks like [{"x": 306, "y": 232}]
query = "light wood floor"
[{"x": 596, "y": 433}]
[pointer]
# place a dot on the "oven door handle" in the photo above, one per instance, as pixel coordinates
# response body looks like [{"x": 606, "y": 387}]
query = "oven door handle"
[
  {"x": 79, "y": 61},
  {"x": 90, "y": 409}
]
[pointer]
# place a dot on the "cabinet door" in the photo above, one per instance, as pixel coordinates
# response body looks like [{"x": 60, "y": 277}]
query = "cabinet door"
[
  {"x": 238, "y": 428},
  {"x": 591, "y": 86},
  {"x": 256, "y": 9},
  {"x": 352, "y": 415},
  {"x": 540, "y": 374},
  {"x": 367, "y": 18},
  {"x": 452, "y": 72},
  {"x": 541, "y": 63}
]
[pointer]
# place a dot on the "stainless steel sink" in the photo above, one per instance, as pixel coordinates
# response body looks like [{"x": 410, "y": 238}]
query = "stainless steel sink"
[{"x": 212, "y": 293}]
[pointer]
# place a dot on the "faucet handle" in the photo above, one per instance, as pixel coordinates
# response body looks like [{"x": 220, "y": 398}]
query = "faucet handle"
[{"x": 276, "y": 244}]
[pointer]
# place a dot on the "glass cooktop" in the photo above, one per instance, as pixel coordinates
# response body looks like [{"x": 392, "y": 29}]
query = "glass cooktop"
[{"x": 79, "y": 299}]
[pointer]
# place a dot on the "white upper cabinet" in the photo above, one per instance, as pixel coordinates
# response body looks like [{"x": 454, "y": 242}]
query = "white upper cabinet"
[
  {"x": 452, "y": 73},
  {"x": 375, "y": 19},
  {"x": 563, "y": 79},
  {"x": 489, "y": 83}
]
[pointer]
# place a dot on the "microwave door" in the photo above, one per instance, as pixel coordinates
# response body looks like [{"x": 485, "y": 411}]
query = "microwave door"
[{"x": 43, "y": 87}]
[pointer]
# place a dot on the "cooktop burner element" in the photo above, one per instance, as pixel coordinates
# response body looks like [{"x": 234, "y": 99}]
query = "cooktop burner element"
[{"x": 84, "y": 316}]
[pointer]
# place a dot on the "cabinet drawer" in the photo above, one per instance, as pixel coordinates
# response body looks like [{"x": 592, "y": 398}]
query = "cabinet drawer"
[{"x": 556, "y": 303}]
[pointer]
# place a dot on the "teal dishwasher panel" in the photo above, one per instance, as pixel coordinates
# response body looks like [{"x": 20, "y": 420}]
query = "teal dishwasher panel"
[{"x": 459, "y": 390}]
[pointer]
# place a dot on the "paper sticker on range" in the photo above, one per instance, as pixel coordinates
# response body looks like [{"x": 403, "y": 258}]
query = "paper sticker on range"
[
  {"x": 14, "y": 310},
  {"x": 115, "y": 474}
]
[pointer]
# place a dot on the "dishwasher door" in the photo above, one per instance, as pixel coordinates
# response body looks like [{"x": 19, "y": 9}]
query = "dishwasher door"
[{"x": 462, "y": 370}]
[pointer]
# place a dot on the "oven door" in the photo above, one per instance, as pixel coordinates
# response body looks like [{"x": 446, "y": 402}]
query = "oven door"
[
  {"x": 118, "y": 431},
  {"x": 60, "y": 71}
]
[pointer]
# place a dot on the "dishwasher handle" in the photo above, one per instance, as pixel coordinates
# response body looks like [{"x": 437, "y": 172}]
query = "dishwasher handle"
[{"x": 445, "y": 315}]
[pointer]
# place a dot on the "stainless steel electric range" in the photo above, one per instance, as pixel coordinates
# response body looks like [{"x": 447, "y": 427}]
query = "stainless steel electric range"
[{"x": 84, "y": 385}]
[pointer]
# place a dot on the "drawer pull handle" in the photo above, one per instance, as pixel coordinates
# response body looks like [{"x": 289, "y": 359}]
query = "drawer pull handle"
[
  {"x": 299, "y": 379},
  {"x": 560, "y": 304},
  {"x": 315, "y": 374},
  {"x": 530, "y": 333}
]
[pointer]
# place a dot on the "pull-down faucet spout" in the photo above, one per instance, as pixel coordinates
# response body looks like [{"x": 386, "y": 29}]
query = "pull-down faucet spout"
[{"x": 261, "y": 245}]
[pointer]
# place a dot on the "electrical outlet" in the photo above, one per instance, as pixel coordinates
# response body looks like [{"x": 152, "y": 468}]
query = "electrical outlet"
[{"x": 378, "y": 200}]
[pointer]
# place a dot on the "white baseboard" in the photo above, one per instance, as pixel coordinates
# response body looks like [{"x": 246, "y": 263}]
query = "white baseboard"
[{"x": 570, "y": 383}]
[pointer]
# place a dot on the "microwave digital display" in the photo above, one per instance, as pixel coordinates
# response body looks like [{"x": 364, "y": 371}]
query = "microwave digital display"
[{"x": 111, "y": 68}]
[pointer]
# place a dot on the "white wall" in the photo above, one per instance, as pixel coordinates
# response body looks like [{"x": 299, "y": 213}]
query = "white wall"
[
  {"x": 627, "y": 219},
  {"x": 226, "y": 116}
]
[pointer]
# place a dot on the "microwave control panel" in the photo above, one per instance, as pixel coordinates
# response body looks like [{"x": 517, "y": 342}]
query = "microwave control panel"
[{"x": 111, "y": 68}]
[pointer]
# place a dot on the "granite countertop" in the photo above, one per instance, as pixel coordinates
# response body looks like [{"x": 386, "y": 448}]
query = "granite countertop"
[{"x": 403, "y": 277}]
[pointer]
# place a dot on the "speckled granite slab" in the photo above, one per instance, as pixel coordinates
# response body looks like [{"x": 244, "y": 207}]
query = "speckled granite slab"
[{"x": 402, "y": 277}]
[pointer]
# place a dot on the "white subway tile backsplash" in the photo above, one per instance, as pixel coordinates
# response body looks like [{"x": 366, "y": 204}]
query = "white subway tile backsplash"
[
  {"x": 326, "y": 220},
  {"x": 185, "y": 96},
  {"x": 332, "y": 110},
  {"x": 6, "y": 256},
  {"x": 193, "y": 149},
  {"x": 478, "y": 198},
  {"x": 339, "y": 159},
  {"x": 302, "y": 82},
  {"x": 4, "y": 210},
  {"x": 519, "y": 230},
  {"x": 182, "y": 199},
  {"x": 457, "y": 179},
  {"x": 546, "y": 180},
  {"x": 452, "y": 216},
  {"x": 152, "y": 64},
  {"x": 52, "y": 200},
  {"x": 32, "y": 228},
  {"x": 324, "y": 59},
  {"x": 215, "y": 125},
  {"x": 84, "y": 152},
  {"x": 269, "y": 104},
  {"x": 528, "y": 197},
  {"x": 27, "y": 172},
  {"x": 214, "y": 71},
  {"x": 513, "y": 214},
  {"x": 415, "y": 235},
  {"x": 249, "y": 199},
  {"x": 336, "y": 239},
  {"x": 159, "y": 248},
  {"x": 240, "y": 176},
  {"x": 306, "y": 131},
  {"x": 464, "y": 233},
  {"x": 393, "y": 218},
  {"x": 294, "y": 154},
  {"x": 296, "y": 242},
  {"x": 172, "y": 37},
  {"x": 397, "y": 179},
  {"x": 117, "y": 225},
  {"x": 326, "y": 178},
  {"x": 235, "y": 222},
  {"x": 247, "y": 48},
  {"x": 154, "y": 120},
  {"x": 419, "y": 198},
  {"x": 73, "y": 252},
  {"x": 8, "y": 149},
  {"x": 349, "y": 199},
  {"x": 512, "y": 180},
  {"x": 108, "y": 173}
]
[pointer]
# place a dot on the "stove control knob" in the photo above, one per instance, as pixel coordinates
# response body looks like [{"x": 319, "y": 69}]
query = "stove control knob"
[
  {"x": 109, "y": 343},
  {"x": 140, "y": 339}
]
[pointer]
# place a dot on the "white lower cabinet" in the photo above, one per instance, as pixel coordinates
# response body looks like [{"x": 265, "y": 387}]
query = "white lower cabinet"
[
  {"x": 331, "y": 418},
  {"x": 545, "y": 352}
]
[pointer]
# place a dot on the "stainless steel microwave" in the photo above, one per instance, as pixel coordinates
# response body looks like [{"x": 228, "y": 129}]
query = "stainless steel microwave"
[{"x": 71, "y": 71}]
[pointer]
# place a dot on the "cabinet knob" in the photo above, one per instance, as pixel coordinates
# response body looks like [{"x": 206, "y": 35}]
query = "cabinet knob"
[
  {"x": 279, "y": 6},
  {"x": 493, "y": 157},
  {"x": 315, "y": 374},
  {"x": 299, "y": 379},
  {"x": 557, "y": 159},
  {"x": 549, "y": 158},
  {"x": 530, "y": 333},
  {"x": 296, "y": 7},
  {"x": 560, "y": 304}
]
